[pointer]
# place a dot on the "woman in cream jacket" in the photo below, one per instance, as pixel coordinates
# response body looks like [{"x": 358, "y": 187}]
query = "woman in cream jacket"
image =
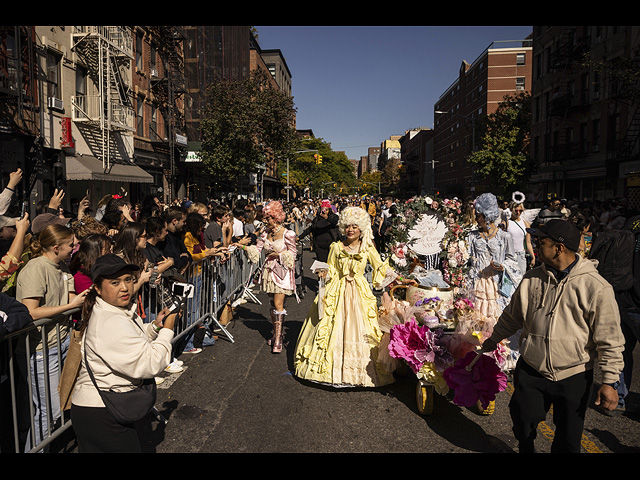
[{"x": 121, "y": 351}]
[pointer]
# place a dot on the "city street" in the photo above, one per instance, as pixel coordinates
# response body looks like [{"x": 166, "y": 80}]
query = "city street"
[{"x": 240, "y": 398}]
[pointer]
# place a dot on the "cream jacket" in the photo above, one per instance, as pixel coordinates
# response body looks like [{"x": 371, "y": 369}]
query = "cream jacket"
[
  {"x": 120, "y": 353},
  {"x": 567, "y": 326}
]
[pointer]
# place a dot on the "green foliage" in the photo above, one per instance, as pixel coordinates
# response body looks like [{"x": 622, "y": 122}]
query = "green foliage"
[
  {"x": 503, "y": 155},
  {"x": 335, "y": 169},
  {"x": 244, "y": 125}
]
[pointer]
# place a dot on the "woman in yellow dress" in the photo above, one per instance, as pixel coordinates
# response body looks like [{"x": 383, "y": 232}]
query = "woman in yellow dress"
[{"x": 338, "y": 343}]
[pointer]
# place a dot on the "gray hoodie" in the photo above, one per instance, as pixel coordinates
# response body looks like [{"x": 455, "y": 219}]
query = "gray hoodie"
[{"x": 567, "y": 326}]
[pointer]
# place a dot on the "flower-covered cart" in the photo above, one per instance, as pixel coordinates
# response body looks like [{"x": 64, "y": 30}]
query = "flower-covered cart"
[{"x": 435, "y": 329}]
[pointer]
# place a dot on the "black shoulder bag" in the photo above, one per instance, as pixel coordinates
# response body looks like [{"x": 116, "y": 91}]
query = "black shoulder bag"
[{"x": 127, "y": 407}]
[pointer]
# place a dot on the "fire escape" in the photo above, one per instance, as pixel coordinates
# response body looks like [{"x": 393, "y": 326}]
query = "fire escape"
[
  {"x": 565, "y": 102},
  {"x": 107, "y": 51},
  {"x": 169, "y": 89},
  {"x": 20, "y": 97},
  {"x": 626, "y": 147}
]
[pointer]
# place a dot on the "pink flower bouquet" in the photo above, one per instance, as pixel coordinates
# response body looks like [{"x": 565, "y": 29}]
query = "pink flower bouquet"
[
  {"x": 481, "y": 383},
  {"x": 417, "y": 344}
]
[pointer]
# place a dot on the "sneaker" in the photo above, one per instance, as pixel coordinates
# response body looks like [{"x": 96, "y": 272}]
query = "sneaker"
[
  {"x": 177, "y": 362},
  {"x": 239, "y": 301},
  {"x": 193, "y": 350},
  {"x": 159, "y": 380},
  {"x": 173, "y": 368}
]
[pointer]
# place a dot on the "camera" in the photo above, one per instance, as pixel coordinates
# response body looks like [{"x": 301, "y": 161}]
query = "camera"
[
  {"x": 180, "y": 292},
  {"x": 184, "y": 290}
]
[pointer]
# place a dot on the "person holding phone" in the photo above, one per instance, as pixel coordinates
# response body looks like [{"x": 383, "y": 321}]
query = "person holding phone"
[
  {"x": 323, "y": 230},
  {"x": 121, "y": 350}
]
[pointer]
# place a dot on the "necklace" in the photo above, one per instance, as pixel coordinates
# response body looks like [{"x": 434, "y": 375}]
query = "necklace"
[
  {"x": 275, "y": 231},
  {"x": 489, "y": 234},
  {"x": 351, "y": 248}
]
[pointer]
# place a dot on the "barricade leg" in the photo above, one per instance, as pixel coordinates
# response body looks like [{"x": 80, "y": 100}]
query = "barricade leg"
[{"x": 45, "y": 367}]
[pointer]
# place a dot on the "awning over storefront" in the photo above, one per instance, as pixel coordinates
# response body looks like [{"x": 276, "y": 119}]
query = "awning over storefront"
[{"x": 90, "y": 168}]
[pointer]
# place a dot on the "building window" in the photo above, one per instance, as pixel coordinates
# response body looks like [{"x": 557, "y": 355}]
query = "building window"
[
  {"x": 11, "y": 82},
  {"x": 519, "y": 83},
  {"x": 140, "y": 117},
  {"x": 81, "y": 88},
  {"x": 153, "y": 67},
  {"x": 595, "y": 136},
  {"x": 53, "y": 75},
  {"x": 520, "y": 59},
  {"x": 139, "y": 52},
  {"x": 153, "y": 125}
]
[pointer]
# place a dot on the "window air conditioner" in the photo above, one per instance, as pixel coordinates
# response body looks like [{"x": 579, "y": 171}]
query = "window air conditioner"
[{"x": 55, "y": 103}]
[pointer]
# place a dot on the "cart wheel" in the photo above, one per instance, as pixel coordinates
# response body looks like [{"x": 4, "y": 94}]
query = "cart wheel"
[
  {"x": 486, "y": 411},
  {"x": 424, "y": 398}
]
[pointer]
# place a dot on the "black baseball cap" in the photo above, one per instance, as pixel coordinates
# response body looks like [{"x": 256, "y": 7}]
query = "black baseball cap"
[
  {"x": 110, "y": 264},
  {"x": 562, "y": 231}
]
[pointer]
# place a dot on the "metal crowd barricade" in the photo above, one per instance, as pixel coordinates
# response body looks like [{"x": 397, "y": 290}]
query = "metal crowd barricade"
[
  {"x": 217, "y": 283},
  {"x": 18, "y": 385}
]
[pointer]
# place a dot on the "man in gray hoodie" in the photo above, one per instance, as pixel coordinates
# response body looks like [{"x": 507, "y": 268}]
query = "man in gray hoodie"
[{"x": 570, "y": 323}]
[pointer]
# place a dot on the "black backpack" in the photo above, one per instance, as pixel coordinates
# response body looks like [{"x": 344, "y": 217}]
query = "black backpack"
[{"x": 616, "y": 252}]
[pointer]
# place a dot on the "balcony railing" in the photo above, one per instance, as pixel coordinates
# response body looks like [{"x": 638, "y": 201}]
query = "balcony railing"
[
  {"x": 90, "y": 109},
  {"x": 117, "y": 36}
]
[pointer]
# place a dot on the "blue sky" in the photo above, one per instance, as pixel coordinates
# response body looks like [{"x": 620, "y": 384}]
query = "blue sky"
[{"x": 355, "y": 86}]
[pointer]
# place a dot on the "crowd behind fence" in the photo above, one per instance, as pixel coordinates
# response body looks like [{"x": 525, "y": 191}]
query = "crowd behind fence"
[{"x": 212, "y": 283}]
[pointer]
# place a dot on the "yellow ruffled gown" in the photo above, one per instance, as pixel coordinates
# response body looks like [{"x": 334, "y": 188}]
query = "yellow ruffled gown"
[{"x": 341, "y": 348}]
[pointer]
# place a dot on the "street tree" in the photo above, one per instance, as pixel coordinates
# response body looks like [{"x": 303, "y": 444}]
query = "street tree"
[
  {"x": 316, "y": 166},
  {"x": 503, "y": 154},
  {"x": 245, "y": 124},
  {"x": 390, "y": 177}
]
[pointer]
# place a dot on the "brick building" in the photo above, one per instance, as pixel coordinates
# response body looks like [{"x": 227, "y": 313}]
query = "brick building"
[
  {"x": 585, "y": 117},
  {"x": 503, "y": 68}
]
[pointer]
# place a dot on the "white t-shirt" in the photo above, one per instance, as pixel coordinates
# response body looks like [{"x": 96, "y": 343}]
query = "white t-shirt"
[
  {"x": 517, "y": 233},
  {"x": 238, "y": 228}
]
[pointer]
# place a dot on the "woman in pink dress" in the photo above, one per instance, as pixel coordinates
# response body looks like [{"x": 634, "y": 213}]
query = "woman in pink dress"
[{"x": 277, "y": 277}]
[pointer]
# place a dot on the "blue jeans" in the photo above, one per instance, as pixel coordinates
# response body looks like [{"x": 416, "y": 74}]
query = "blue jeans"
[
  {"x": 193, "y": 310},
  {"x": 38, "y": 365},
  {"x": 630, "y": 323},
  {"x": 521, "y": 259}
]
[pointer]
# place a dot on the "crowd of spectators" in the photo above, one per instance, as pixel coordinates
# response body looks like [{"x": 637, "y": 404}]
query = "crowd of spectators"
[
  {"x": 46, "y": 261},
  {"x": 45, "y": 272}
]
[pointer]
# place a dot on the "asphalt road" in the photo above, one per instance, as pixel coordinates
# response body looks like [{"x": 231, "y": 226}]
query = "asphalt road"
[{"x": 238, "y": 397}]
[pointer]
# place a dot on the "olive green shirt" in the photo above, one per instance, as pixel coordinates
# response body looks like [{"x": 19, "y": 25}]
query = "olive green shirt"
[{"x": 50, "y": 282}]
